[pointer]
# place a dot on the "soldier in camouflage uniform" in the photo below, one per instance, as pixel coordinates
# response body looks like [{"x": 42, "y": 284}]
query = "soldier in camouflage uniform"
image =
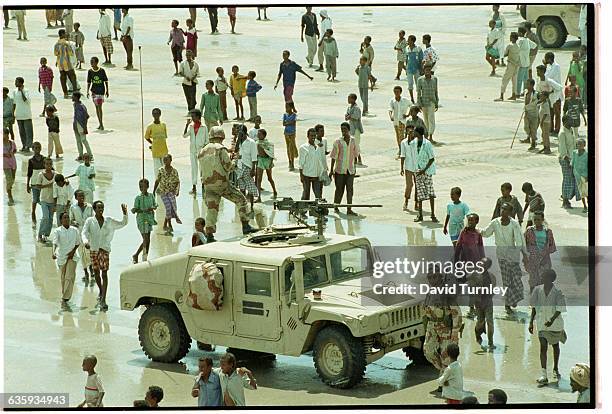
[
  {"x": 443, "y": 324},
  {"x": 215, "y": 167}
]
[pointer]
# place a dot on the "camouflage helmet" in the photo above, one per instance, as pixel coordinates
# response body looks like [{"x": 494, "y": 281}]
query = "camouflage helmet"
[{"x": 217, "y": 132}]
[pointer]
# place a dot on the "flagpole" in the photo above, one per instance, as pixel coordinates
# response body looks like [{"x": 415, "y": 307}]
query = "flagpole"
[{"x": 141, "y": 112}]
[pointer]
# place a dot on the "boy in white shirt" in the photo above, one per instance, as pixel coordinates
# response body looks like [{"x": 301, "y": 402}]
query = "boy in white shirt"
[
  {"x": 62, "y": 194},
  {"x": 80, "y": 212},
  {"x": 66, "y": 240},
  {"x": 94, "y": 391},
  {"x": 452, "y": 378}
]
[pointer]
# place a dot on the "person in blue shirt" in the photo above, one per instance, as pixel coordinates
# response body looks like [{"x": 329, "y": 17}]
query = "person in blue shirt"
[
  {"x": 414, "y": 59},
  {"x": 287, "y": 70},
  {"x": 207, "y": 386},
  {"x": 251, "y": 92},
  {"x": 456, "y": 211}
]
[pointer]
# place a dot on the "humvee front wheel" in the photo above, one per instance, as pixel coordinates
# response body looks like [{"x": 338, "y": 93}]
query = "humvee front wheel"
[
  {"x": 551, "y": 32},
  {"x": 339, "y": 357},
  {"x": 162, "y": 333}
]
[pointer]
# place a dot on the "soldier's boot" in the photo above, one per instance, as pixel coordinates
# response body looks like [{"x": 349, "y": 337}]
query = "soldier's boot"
[{"x": 247, "y": 229}]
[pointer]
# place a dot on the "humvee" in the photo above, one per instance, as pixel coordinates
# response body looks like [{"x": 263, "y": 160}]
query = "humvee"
[
  {"x": 269, "y": 305},
  {"x": 553, "y": 21}
]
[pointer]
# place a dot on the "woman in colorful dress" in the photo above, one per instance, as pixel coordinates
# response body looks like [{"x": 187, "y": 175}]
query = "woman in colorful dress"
[
  {"x": 167, "y": 185},
  {"x": 540, "y": 244}
]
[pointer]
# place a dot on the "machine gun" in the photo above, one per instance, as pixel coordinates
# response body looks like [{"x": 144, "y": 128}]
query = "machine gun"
[{"x": 317, "y": 208}]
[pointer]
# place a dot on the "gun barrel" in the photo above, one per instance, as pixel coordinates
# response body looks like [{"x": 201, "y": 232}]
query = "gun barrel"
[{"x": 349, "y": 205}]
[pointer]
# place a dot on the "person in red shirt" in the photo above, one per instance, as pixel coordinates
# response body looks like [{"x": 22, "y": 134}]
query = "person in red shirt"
[
  {"x": 192, "y": 37},
  {"x": 45, "y": 82},
  {"x": 470, "y": 248}
]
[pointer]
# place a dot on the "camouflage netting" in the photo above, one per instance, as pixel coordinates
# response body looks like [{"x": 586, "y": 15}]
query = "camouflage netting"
[{"x": 205, "y": 287}]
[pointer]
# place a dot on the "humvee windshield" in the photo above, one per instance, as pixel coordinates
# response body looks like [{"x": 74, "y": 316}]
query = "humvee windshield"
[{"x": 345, "y": 264}]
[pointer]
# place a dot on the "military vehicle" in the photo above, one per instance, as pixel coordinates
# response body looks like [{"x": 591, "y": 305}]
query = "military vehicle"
[
  {"x": 286, "y": 290},
  {"x": 553, "y": 22}
]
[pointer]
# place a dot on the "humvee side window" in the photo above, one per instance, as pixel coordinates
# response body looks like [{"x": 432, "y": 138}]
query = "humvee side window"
[
  {"x": 257, "y": 283},
  {"x": 348, "y": 263},
  {"x": 315, "y": 271},
  {"x": 288, "y": 273}
]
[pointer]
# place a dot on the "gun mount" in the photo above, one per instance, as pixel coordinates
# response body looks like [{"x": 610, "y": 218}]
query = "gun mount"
[{"x": 318, "y": 209}]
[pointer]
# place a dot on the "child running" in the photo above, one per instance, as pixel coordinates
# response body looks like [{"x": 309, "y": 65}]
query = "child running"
[
  {"x": 265, "y": 162},
  {"x": 167, "y": 185},
  {"x": 455, "y": 215},
  {"x": 144, "y": 207}
]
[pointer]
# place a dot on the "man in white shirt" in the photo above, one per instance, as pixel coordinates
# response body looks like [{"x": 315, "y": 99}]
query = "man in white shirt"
[
  {"x": 548, "y": 303},
  {"x": 104, "y": 34},
  {"x": 80, "y": 212},
  {"x": 197, "y": 133},
  {"x": 190, "y": 71},
  {"x": 425, "y": 169},
  {"x": 510, "y": 244},
  {"x": 408, "y": 164},
  {"x": 22, "y": 112},
  {"x": 66, "y": 240},
  {"x": 310, "y": 164},
  {"x": 234, "y": 381},
  {"x": 127, "y": 36},
  {"x": 247, "y": 166},
  {"x": 398, "y": 109},
  {"x": 553, "y": 71},
  {"x": 97, "y": 235},
  {"x": 525, "y": 46},
  {"x": 326, "y": 23}
]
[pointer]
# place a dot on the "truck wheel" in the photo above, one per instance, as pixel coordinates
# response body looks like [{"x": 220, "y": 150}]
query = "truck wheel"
[
  {"x": 339, "y": 357},
  {"x": 162, "y": 333},
  {"x": 551, "y": 32},
  {"x": 416, "y": 355}
]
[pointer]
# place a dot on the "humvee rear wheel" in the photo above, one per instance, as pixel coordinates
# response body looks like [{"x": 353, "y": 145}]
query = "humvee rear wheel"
[
  {"x": 162, "y": 334},
  {"x": 338, "y": 357}
]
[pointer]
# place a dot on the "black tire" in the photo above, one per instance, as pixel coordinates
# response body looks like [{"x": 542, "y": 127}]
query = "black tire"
[
  {"x": 162, "y": 333},
  {"x": 551, "y": 32},
  {"x": 416, "y": 355},
  {"x": 347, "y": 372}
]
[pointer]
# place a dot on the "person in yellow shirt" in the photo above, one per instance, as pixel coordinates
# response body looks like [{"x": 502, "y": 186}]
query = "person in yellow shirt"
[
  {"x": 156, "y": 135},
  {"x": 237, "y": 84}
]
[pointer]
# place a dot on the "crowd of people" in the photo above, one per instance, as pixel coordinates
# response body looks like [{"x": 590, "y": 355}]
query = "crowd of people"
[{"x": 235, "y": 171}]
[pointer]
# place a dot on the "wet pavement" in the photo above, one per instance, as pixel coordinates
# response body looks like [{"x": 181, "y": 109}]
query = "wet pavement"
[{"x": 35, "y": 328}]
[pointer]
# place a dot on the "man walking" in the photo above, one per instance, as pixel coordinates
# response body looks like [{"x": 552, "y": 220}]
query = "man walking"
[
  {"x": 189, "y": 70},
  {"x": 427, "y": 99},
  {"x": 207, "y": 386},
  {"x": 310, "y": 164},
  {"x": 353, "y": 117},
  {"x": 214, "y": 19},
  {"x": 287, "y": 70},
  {"x": 65, "y": 54},
  {"x": 234, "y": 380},
  {"x": 215, "y": 167},
  {"x": 398, "y": 110},
  {"x": 22, "y": 112},
  {"x": 79, "y": 125},
  {"x": 104, "y": 34},
  {"x": 345, "y": 152},
  {"x": 310, "y": 29},
  {"x": 525, "y": 47},
  {"x": 97, "y": 236},
  {"x": 127, "y": 37},
  {"x": 66, "y": 240},
  {"x": 510, "y": 244}
]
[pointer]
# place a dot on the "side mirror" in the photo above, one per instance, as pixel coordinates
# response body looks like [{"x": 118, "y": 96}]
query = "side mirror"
[{"x": 297, "y": 281}]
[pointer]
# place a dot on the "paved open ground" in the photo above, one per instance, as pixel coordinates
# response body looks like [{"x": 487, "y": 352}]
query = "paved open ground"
[{"x": 476, "y": 156}]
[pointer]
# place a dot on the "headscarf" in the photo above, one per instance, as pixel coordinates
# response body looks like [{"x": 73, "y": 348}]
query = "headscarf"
[{"x": 581, "y": 374}]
